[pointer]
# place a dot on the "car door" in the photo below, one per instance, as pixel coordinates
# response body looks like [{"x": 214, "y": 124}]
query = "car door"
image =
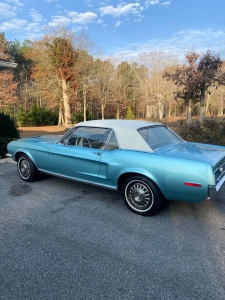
[
  {"x": 78, "y": 156},
  {"x": 110, "y": 163}
]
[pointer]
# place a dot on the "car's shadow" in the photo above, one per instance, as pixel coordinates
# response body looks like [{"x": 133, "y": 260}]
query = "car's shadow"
[{"x": 115, "y": 198}]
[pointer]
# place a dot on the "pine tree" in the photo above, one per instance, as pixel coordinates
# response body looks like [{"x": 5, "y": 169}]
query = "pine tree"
[{"x": 129, "y": 114}]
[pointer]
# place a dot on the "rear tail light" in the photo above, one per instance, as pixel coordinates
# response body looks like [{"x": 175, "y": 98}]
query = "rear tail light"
[{"x": 193, "y": 184}]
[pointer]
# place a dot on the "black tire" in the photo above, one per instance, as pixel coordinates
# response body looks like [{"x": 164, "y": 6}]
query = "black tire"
[
  {"x": 141, "y": 195},
  {"x": 26, "y": 168}
]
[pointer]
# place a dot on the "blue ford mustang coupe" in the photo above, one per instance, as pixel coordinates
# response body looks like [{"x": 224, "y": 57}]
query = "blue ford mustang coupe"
[{"x": 147, "y": 162}]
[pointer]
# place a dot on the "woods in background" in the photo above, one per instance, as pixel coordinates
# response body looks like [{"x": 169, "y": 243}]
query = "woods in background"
[{"x": 63, "y": 74}]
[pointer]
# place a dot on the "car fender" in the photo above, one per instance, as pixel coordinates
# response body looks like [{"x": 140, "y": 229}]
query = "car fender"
[
  {"x": 23, "y": 151},
  {"x": 137, "y": 171}
]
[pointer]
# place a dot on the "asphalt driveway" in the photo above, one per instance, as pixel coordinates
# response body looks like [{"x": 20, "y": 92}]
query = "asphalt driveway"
[{"x": 65, "y": 240}]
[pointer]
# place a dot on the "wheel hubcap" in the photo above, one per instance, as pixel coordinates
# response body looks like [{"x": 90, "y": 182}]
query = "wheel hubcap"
[
  {"x": 25, "y": 168},
  {"x": 139, "y": 195}
]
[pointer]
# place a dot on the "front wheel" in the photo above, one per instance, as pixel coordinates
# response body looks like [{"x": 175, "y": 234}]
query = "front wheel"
[
  {"x": 141, "y": 195},
  {"x": 26, "y": 168}
]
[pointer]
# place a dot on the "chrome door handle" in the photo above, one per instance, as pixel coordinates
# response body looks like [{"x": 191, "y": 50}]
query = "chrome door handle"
[{"x": 97, "y": 153}]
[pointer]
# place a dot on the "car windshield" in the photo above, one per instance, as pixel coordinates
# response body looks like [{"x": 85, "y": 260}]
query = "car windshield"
[{"x": 159, "y": 136}]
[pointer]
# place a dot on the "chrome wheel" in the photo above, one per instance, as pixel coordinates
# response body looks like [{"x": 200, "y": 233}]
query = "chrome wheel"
[
  {"x": 24, "y": 168},
  {"x": 139, "y": 195}
]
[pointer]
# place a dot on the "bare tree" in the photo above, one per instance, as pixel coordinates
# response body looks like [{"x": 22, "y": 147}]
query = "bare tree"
[
  {"x": 103, "y": 75},
  {"x": 152, "y": 82}
]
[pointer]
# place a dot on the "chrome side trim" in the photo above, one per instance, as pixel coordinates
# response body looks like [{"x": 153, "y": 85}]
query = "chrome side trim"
[{"x": 79, "y": 180}]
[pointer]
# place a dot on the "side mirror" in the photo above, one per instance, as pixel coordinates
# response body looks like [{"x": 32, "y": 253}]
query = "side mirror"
[{"x": 65, "y": 142}]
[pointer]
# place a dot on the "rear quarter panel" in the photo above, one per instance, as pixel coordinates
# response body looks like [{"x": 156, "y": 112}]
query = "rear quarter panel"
[{"x": 168, "y": 173}]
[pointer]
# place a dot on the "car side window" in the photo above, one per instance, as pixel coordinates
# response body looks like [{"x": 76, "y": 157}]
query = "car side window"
[
  {"x": 89, "y": 137},
  {"x": 113, "y": 144}
]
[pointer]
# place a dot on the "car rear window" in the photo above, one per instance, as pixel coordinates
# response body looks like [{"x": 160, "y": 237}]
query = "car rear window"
[{"x": 159, "y": 136}]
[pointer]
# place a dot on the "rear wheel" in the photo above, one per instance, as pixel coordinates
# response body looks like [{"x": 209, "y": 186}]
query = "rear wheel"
[
  {"x": 141, "y": 195},
  {"x": 26, "y": 168}
]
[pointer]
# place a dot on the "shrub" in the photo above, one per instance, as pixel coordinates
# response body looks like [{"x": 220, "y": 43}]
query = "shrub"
[
  {"x": 211, "y": 131},
  {"x": 37, "y": 116},
  {"x": 129, "y": 114},
  {"x": 8, "y": 132},
  {"x": 21, "y": 117},
  {"x": 3, "y": 147},
  {"x": 79, "y": 117}
]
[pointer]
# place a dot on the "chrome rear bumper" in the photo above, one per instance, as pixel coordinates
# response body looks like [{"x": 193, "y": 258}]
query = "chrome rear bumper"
[{"x": 213, "y": 189}]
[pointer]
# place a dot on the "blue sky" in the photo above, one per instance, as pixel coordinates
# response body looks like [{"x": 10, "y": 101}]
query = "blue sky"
[{"x": 124, "y": 28}]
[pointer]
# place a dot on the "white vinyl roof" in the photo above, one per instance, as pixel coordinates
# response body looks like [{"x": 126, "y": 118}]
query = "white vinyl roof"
[{"x": 126, "y": 132}]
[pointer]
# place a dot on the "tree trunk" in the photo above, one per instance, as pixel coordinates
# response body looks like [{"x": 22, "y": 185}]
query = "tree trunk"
[
  {"x": 188, "y": 112},
  {"x": 160, "y": 110},
  {"x": 61, "y": 119},
  {"x": 103, "y": 109},
  {"x": 68, "y": 123},
  {"x": 207, "y": 103},
  {"x": 148, "y": 113},
  {"x": 221, "y": 104},
  {"x": 169, "y": 110},
  {"x": 202, "y": 106},
  {"x": 118, "y": 113},
  {"x": 85, "y": 102}
]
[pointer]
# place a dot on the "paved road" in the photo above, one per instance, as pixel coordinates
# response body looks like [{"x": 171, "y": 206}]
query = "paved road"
[{"x": 65, "y": 240}]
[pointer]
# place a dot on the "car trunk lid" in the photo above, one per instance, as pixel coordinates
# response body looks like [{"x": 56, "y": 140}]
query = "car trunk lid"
[{"x": 210, "y": 154}]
